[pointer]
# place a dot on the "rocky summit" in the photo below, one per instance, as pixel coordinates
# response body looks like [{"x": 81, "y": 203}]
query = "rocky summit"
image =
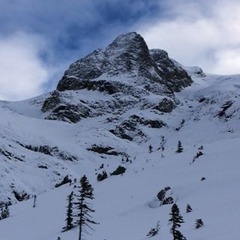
[{"x": 127, "y": 71}]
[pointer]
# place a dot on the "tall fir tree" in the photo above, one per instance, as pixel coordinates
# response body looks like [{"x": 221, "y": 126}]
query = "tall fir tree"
[
  {"x": 69, "y": 218},
  {"x": 83, "y": 207},
  {"x": 176, "y": 220}
]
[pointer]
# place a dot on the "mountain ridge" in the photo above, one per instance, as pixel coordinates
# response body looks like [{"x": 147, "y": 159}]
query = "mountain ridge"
[{"x": 125, "y": 67}]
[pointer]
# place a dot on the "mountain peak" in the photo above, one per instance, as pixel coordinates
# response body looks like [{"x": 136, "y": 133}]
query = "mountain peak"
[
  {"x": 127, "y": 55},
  {"x": 128, "y": 40},
  {"x": 125, "y": 68},
  {"x": 127, "y": 37}
]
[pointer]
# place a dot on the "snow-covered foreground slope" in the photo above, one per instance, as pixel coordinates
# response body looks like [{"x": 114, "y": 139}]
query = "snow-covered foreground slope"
[
  {"x": 122, "y": 203},
  {"x": 206, "y": 120}
]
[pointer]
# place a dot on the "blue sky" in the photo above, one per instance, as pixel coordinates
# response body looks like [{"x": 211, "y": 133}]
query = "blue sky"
[{"x": 40, "y": 39}]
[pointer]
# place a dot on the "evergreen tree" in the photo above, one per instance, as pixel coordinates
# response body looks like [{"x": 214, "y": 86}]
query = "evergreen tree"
[
  {"x": 150, "y": 148},
  {"x": 69, "y": 218},
  {"x": 179, "y": 147},
  {"x": 177, "y": 235},
  {"x": 84, "y": 210},
  {"x": 188, "y": 209},
  {"x": 176, "y": 220},
  {"x": 162, "y": 144},
  {"x": 199, "y": 223}
]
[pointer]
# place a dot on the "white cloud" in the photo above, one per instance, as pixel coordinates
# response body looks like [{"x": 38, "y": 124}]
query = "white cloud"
[
  {"x": 227, "y": 60},
  {"x": 210, "y": 38},
  {"x": 22, "y": 73}
]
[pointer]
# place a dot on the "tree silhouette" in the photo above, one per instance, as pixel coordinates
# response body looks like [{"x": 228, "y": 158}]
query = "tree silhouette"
[
  {"x": 150, "y": 148},
  {"x": 188, "y": 209},
  {"x": 176, "y": 220},
  {"x": 69, "y": 218},
  {"x": 179, "y": 147},
  {"x": 177, "y": 235},
  {"x": 199, "y": 223},
  {"x": 83, "y": 207}
]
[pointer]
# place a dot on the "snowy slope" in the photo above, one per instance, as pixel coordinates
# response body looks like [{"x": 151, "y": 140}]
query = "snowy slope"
[{"x": 124, "y": 204}]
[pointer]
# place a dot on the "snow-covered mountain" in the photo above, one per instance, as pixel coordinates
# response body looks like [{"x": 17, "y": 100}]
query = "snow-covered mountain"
[{"x": 125, "y": 106}]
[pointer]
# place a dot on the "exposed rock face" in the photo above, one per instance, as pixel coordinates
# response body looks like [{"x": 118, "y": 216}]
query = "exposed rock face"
[
  {"x": 127, "y": 54},
  {"x": 126, "y": 71},
  {"x": 69, "y": 113},
  {"x": 130, "y": 128},
  {"x": 105, "y": 150},
  {"x": 176, "y": 77},
  {"x": 165, "y": 105},
  {"x": 165, "y": 196}
]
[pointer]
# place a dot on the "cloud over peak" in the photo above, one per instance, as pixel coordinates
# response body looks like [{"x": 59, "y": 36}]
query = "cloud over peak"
[
  {"x": 22, "y": 73},
  {"x": 192, "y": 36}
]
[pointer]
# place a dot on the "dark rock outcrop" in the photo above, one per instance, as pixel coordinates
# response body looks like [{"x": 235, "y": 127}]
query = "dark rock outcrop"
[
  {"x": 118, "y": 171},
  {"x": 104, "y": 150},
  {"x": 165, "y": 105},
  {"x": 69, "y": 113},
  {"x": 165, "y": 196},
  {"x": 224, "y": 108},
  {"x": 51, "y": 151},
  {"x": 176, "y": 78},
  {"x": 130, "y": 129},
  {"x": 102, "y": 176}
]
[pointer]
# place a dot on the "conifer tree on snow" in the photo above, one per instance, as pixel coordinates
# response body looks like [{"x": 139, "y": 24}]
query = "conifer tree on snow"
[
  {"x": 188, "y": 209},
  {"x": 177, "y": 235},
  {"x": 150, "y": 148},
  {"x": 176, "y": 220},
  {"x": 83, "y": 207},
  {"x": 199, "y": 223},
  {"x": 69, "y": 218},
  {"x": 179, "y": 147}
]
